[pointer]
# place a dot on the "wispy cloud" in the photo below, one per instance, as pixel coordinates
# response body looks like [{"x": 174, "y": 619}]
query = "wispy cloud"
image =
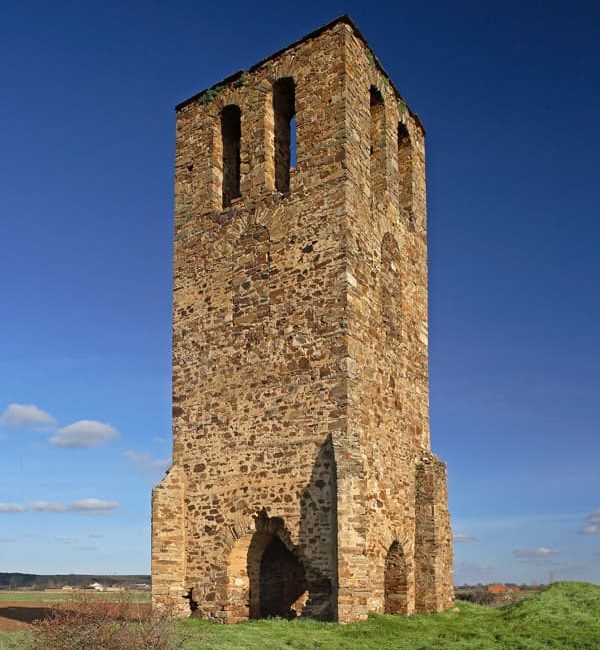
[
  {"x": 93, "y": 506},
  {"x": 25, "y": 415},
  {"x": 540, "y": 555},
  {"x": 84, "y": 433},
  {"x": 82, "y": 506},
  {"x": 459, "y": 537},
  {"x": 12, "y": 507},
  {"x": 535, "y": 553},
  {"x": 89, "y": 506},
  {"x": 7, "y": 540},
  {"x": 143, "y": 462},
  {"x": 47, "y": 506},
  {"x": 592, "y": 524}
]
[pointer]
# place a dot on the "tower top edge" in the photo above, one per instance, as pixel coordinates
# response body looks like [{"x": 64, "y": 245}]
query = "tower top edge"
[{"x": 343, "y": 19}]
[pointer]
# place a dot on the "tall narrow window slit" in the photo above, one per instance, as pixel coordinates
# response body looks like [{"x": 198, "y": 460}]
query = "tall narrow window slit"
[
  {"x": 231, "y": 134},
  {"x": 284, "y": 109}
]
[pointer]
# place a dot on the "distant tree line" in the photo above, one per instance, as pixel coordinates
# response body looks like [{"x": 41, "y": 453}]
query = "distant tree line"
[{"x": 34, "y": 582}]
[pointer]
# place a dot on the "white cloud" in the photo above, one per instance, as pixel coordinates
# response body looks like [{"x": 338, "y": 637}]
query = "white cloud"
[
  {"x": 459, "y": 537},
  {"x": 47, "y": 506},
  {"x": 592, "y": 523},
  {"x": 25, "y": 415},
  {"x": 12, "y": 507},
  {"x": 539, "y": 555},
  {"x": 93, "y": 506},
  {"x": 144, "y": 463},
  {"x": 82, "y": 506},
  {"x": 85, "y": 433}
]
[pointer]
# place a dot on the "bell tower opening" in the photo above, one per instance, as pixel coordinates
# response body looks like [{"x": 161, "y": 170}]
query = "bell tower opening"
[{"x": 284, "y": 108}]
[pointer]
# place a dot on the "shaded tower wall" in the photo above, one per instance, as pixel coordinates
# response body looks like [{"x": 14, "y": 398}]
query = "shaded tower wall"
[
  {"x": 381, "y": 507},
  {"x": 300, "y": 399}
]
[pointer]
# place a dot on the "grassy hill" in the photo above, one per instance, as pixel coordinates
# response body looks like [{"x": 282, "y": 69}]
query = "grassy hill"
[{"x": 566, "y": 616}]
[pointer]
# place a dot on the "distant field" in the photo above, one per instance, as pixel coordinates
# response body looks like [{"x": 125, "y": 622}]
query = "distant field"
[
  {"x": 60, "y": 596},
  {"x": 566, "y": 616}
]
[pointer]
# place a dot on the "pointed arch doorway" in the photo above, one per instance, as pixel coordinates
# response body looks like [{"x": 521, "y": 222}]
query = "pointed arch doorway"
[
  {"x": 265, "y": 577},
  {"x": 395, "y": 582}
]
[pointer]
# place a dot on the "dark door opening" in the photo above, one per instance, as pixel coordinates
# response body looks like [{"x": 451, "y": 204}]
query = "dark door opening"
[{"x": 282, "y": 581}]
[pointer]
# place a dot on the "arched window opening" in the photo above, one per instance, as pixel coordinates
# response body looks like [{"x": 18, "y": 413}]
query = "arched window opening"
[
  {"x": 293, "y": 146},
  {"x": 284, "y": 109},
  {"x": 395, "y": 582},
  {"x": 405, "y": 171},
  {"x": 377, "y": 146},
  {"x": 231, "y": 134}
]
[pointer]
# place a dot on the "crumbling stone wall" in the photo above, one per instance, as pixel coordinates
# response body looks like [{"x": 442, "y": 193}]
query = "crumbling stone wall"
[{"x": 300, "y": 392}]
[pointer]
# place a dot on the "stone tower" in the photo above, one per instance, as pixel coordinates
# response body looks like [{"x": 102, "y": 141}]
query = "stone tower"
[{"x": 302, "y": 480}]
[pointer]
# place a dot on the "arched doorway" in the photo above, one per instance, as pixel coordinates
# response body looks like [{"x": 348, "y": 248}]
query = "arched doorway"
[
  {"x": 265, "y": 577},
  {"x": 282, "y": 581},
  {"x": 395, "y": 582}
]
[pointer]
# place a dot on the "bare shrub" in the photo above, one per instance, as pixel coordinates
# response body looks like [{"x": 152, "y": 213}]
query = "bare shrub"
[
  {"x": 89, "y": 623},
  {"x": 478, "y": 596}
]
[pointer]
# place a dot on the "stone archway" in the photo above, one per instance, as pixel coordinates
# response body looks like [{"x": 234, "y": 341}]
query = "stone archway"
[
  {"x": 265, "y": 578},
  {"x": 282, "y": 581},
  {"x": 395, "y": 582}
]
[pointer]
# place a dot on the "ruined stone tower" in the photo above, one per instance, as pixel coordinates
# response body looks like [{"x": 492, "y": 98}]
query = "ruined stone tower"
[{"x": 302, "y": 480}]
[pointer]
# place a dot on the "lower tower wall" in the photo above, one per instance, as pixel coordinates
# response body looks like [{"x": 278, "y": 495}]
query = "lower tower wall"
[{"x": 168, "y": 543}]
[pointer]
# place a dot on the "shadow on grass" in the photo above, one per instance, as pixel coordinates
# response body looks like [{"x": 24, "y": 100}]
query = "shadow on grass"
[{"x": 25, "y": 614}]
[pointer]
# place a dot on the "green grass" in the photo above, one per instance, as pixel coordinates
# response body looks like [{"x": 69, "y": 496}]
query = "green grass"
[
  {"x": 13, "y": 641},
  {"x": 59, "y": 597},
  {"x": 565, "y": 616}
]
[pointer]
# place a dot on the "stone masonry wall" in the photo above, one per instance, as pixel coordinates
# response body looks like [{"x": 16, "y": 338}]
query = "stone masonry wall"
[
  {"x": 388, "y": 403},
  {"x": 300, "y": 382}
]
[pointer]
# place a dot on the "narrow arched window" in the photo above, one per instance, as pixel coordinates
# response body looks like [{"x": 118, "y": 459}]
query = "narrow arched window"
[
  {"x": 405, "y": 171},
  {"x": 231, "y": 134},
  {"x": 284, "y": 109},
  {"x": 377, "y": 145}
]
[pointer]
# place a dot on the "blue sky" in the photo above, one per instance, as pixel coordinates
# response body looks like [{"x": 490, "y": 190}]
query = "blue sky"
[{"x": 509, "y": 94}]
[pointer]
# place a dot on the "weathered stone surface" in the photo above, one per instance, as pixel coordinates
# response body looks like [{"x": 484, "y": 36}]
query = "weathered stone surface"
[{"x": 302, "y": 479}]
